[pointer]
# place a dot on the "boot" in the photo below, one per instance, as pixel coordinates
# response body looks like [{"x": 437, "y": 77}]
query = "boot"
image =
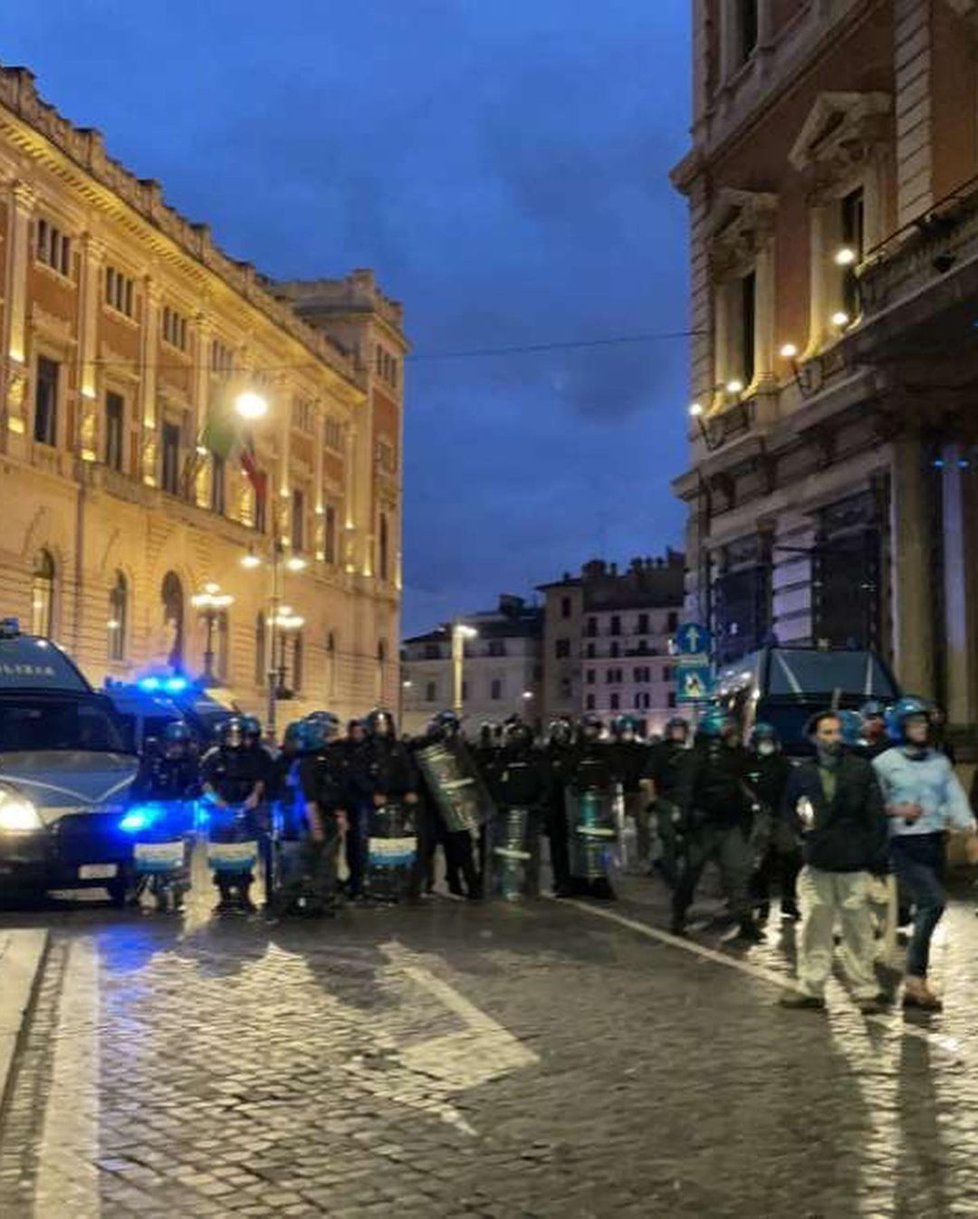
[
  {"x": 748, "y": 930},
  {"x": 916, "y": 993}
]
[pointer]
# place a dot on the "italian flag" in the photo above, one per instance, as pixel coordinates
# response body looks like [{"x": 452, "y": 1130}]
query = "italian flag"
[{"x": 226, "y": 436}]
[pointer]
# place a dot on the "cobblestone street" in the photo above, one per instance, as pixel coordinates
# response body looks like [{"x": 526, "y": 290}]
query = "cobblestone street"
[{"x": 547, "y": 1059}]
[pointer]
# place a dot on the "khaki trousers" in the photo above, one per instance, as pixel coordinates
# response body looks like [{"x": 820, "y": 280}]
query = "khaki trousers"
[{"x": 828, "y": 898}]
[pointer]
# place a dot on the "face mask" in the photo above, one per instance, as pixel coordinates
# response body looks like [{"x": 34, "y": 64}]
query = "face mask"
[{"x": 766, "y": 748}]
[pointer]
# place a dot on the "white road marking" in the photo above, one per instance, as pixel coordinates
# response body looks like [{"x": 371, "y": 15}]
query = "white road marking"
[
  {"x": 67, "y": 1175},
  {"x": 949, "y": 1045}
]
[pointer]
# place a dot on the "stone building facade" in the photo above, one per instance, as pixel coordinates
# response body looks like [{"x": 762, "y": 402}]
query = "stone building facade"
[
  {"x": 502, "y": 668},
  {"x": 125, "y": 333},
  {"x": 608, "y": 640},
  {"x": 833, "y": 199}
]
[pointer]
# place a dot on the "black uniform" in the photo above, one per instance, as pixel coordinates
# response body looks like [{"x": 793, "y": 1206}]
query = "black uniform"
[
  {"x": 590, "y": 772},
  {"x": 557, "y": 756},
  {"x": 777, "y": 852},
  {"x": 460, "y": 867},
  {"x": 324, "y": 783},
  {"x": 520, "y": 784},
  {"x": 716, "y": 812},
  {"x": 357, "y": 800},
  {"x": 391, "y": 820},
  {"x": 662, "y": 769},
  {"x": 234, "y": 775}
]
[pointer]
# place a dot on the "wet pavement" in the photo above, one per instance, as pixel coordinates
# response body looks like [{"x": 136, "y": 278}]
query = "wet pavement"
[{"x": 451, "y": 1059}]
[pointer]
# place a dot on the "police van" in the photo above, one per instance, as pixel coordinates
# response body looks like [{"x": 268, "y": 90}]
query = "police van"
[{"x": 65, "y": 774}]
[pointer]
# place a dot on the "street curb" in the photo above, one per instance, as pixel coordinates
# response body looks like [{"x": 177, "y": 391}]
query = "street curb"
[{"x": 22, "y": 956}]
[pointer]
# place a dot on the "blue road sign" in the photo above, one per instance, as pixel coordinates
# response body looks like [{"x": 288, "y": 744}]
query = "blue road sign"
[
  {"x": 693, "y": 640},
  {"x": 694, "y": 683}
]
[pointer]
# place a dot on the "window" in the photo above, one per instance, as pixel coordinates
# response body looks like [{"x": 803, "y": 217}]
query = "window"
[
  {"x": 497, "y": 647},
  {"x": 119, "y": 291},
  {"x": 565, "y": 607},
  {"x": 330, "y": 664},
  {"x": 329, "y": 534},
  {"x": 465, "y": 691},
  {"x": 672, "y": 623},
  {"x": 42, "y": 595},
  {"x": 218, "y": 472},
  {"x": 46, "y": 401},
  {"x": 261, "y": 500},
  {"x": 386, "y": 458},
  {"x": 667, "y": 672},
  {"x": 303, "y": 415},
  {"x": 222, "y": 359},
  {"x": 747, "y": 29},
  {"x": 748, "y": 320},
  {"x": 298, "y": 521},
  {"x": 174, "y": 328},
  {"x": 298, "y": 662},
  {"x": 589, "y": 703},
  {"x": 333, "y": 435},
  {"x": 431, "y": 692},
  {"x": 614, "y": 650},
  {"x": 643, "y": 625},
  {"x": 383, "y": 547},
  {"x": 53, "y": 247},
  {"x": 609, "y": 676},
  {"x": 615, "y": 624},
  {"x": 642, "y": 673},
  {"x": 115, "y": 411},
  {"x": 170, "y": 480},
  {"x": 261, "y": 643},
  {"x": 432, "y": 651},
  {"x": 589, "y": 677},
  {"x": 562, "y": 649},
  {"x": 853, "y": 238},
  {"x": 118, "y": 616},
  {"x": 171, "y": 595},
  {"x": 671, "y": 699},
  {"x": 592, "y": 627},
  {"x": 496, "y": 689},
  {"x": 615, "y": 702}
]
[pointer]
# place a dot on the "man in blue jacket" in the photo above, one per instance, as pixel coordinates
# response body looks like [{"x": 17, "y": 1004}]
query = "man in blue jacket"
[
  {"x": 923, "y": 799},
  {"x": 833, "y": 802}
]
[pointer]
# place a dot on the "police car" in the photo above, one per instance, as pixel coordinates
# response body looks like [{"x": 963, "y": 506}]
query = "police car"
[{"x": 65, "y": 774}]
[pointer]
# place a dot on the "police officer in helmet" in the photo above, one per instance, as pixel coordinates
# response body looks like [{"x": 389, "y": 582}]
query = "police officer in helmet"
[
  {"x": 323, "y": 780},
  {"x": 716, "y": 814},
  {"x": 776, "y": 853},
  {"x": 659, "y": 781},
  {"x": 629, "y": 759},
  {"x": 557, "y": 753},
  {"x": 233, "y": 777}
]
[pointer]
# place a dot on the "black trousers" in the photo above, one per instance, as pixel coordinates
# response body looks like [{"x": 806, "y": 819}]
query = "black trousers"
[
  {"x": 460, "y": 865},
  {"x": 556, "y": 829}
]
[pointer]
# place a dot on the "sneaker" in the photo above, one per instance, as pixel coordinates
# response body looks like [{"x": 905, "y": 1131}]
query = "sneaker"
[
  {"x": 800, "y": 1001},
  {"x": 873, "y": 1006},
  {"x": 916, "y": 993},
  {"x": 790, "y": 911}
]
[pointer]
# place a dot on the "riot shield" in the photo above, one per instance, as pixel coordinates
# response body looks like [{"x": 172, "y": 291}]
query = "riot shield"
[
  {"x": 392, "y": 847},
  {"x": 592, "y": 831},
  {"x": 456, "y": 786},
  {"x": 515, "y": 854}
]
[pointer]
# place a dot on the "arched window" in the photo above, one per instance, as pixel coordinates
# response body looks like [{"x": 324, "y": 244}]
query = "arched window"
[
  {"x": 383, "y": 546},
  {"x": 222, "y": 646},
  {"x": 118, "y": 617},
  {"x": 261, "y": 646},
  {"x": 171, "y": 595},
  {"x": 42, "y": 594},
  {"x": 297, "y": 662},
  {"x": 381, "y": 660}
]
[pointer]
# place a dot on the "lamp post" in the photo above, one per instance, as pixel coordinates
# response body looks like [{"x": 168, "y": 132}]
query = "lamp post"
[
  {"x": 460, "y": 632},
  {"x": 406, "y": 685},
  {"x": 286, "y": 624},
  {"x": 210, "y": 604}
]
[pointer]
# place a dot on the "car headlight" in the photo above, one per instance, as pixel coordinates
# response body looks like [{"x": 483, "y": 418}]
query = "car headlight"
[
  {"x": 19, "y": 816},
  {"x": 139, "y": 818}
]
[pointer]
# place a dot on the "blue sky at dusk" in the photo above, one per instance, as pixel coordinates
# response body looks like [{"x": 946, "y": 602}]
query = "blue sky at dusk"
[{"x": 503, "y": 166}]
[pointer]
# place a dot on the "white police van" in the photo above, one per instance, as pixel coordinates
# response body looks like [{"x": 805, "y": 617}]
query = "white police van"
[{"x": 65, "y": 775}]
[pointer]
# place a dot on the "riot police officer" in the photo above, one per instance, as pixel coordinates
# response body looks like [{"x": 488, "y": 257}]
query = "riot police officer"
[
  {"x": 716, "y": 810},
  {"x": 558, "y": 752},
  {"x": 592, "y": 830},
  {"x": 520, "y": 785},
  {"x": 233, "y": 778},
  {"x": 169, "y": 778},
  {"x": 659, "y": 782},
  {"x": 875, "y": 738},
  {"x": 358, "y": 801},
  {"x": 776, "y": 853},
  {"x": 628, "y": 755},
  {"x": 172, "y": 772},
  {"x": 323, "y": 781},
  {"x": 488, "y": 745},
  {"x": 393, "y": 783}
]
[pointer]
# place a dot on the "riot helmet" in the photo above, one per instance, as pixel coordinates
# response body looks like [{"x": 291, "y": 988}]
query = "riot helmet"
[
  {"x": 907, "y": 708},
  {"x": 677, "y": 730},
  {"x": 592, "y": 727},
  {"x": 318, "y": 729},
  {"x": 624, "y": 728},
  {"x": 764, "y": 739},
  {"x": 448, "y": 722},
  {"x": 517, "y": 735},
  {"x": 560, "y": 732},
  {"x": 356, "y": 731},
  {"x": 177, "y": 739},
  {"x": 292, "y": 738},
  {"x": 717, "y": 724},
  {"x": 380, "y": 723},
  {"x": 852, "y": 728},
  {"x": 233, "y": 733},
  {"x": 251, "y": 729}
]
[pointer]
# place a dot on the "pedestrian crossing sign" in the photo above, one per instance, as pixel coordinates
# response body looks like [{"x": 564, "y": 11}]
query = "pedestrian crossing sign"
[{"x": 694, "y": 683}]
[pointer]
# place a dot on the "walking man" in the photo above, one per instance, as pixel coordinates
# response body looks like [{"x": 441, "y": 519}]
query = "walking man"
[{"x": 834, "y": 802}]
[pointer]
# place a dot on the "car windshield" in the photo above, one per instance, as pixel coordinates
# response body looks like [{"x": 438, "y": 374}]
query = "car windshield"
[
  {"x": 805, "y": 672},
  {"x": 31, "y": 724}
]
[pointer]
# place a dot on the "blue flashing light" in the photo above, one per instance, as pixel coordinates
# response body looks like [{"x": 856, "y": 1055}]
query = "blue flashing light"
[
  {"x": 938, "y": 463},
  {"x": 176, "y": 685},
  {"x": 139, "y": 818},
  {"x": 148, "y": 683}
]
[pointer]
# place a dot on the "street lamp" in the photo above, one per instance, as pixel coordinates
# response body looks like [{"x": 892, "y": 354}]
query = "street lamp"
[
  {"x": 460, "y": 632},
  {"x": 251, "y": 405},
  {"x": 210, "y": 604}
]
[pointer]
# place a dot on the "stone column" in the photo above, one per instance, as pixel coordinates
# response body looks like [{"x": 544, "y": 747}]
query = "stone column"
[
  {"x": 148, "y": 406},
  {"x": 199, "y": 489},
  {"x": 89, "y": 296},
  {"x": 913, "y": 617},
  {"x": 959, "y": 588},
  {"x": 319, "y": 505},
  {"x": 764, "y": 316},
  {"x": 20, "y": 209}
]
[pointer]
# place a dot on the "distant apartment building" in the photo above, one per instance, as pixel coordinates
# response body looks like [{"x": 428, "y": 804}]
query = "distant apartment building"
[
  {"x": 607, "y": 640},
  {"x": 501, "y": 667}
]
